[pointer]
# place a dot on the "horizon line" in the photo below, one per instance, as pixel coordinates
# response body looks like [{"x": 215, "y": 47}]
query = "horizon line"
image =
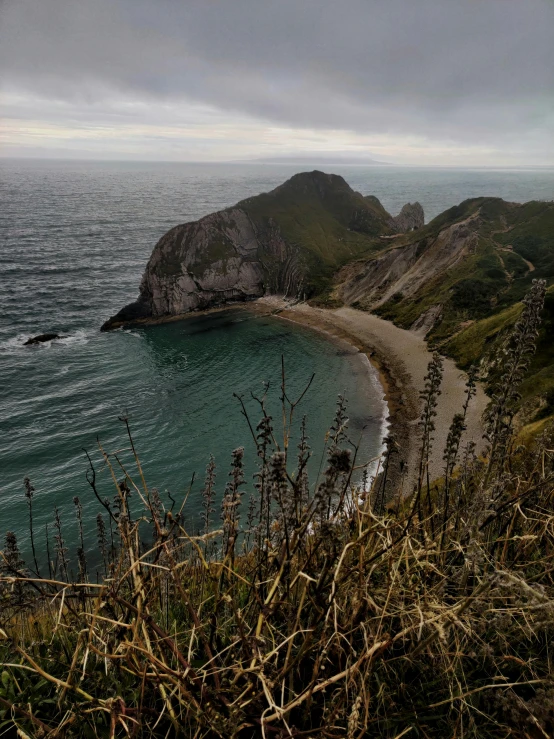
[{"x": 273, "y": 161}]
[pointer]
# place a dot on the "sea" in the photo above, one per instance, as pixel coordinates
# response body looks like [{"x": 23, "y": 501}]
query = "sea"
[{"x": 75, "y": 237}]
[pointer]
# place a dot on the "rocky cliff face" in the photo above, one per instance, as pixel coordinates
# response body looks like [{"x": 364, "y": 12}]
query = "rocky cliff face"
[
  {"x": 199, "y": 264},
  {"x": 410, "y": 218},
  {"x": 289, "y": 241},
  {"x": 404, "y": 270}
]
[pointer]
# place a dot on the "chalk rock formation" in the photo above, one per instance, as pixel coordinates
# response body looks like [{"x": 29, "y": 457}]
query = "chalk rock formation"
[{"x": 410, "y": 218}]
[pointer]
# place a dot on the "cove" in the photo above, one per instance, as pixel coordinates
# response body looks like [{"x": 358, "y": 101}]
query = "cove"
[{"x": 176, "y": 384}]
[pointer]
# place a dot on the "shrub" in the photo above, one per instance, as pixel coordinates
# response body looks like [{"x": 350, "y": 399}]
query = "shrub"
[{"x": 473, "y": 296}]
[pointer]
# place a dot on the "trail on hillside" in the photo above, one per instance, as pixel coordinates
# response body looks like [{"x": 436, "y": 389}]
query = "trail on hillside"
[{"x": 509, "y": 248}]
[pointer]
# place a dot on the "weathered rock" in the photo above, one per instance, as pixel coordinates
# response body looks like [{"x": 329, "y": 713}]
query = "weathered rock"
[
  {"x": 427, "y": 320},
  {"x": 402, "y": 271},
  {"x": 410, "y": 218},
  {"x": 41, "y": 338},
  {"x": 200, "y": 265}
]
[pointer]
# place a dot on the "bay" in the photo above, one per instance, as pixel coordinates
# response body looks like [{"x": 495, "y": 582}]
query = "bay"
[{"x": 74, "y": 240}]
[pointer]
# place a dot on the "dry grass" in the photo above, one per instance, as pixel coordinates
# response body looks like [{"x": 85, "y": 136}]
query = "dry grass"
[{"x": 317, "y": 613}]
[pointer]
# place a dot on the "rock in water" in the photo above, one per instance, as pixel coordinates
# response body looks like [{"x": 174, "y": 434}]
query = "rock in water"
[{"x": 41, "y": 338}]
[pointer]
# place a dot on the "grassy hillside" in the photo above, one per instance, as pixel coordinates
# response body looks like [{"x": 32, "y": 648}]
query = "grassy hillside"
[
  {"x": 478, "y": 293},
  {"x": 478, "y": 341},
  {"x": 323, "y": 219}
]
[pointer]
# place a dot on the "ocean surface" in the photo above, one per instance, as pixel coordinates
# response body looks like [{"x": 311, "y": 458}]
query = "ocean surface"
[{"x": 74, "y": 240}]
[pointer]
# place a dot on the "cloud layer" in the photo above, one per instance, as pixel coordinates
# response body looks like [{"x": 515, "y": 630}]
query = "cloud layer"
[{"x": 432, "y": 80}]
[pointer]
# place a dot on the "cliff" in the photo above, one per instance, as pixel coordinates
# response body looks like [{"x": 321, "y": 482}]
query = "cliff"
[
  {"x": 410, "y": 218},
  {"x": 289, "y": 241}
]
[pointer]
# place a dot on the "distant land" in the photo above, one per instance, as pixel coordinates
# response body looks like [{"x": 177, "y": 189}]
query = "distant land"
[{"x": 327, "y": 159}]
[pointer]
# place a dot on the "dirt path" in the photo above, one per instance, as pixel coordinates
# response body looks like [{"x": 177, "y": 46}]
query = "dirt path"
[{"x": 509, "y": 247}]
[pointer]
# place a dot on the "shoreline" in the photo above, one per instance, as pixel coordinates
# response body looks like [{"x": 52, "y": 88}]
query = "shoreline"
[
  {"x": 396, "y": 421},
  {"x": 400, "y": 358},
  {"x": 390, "y": 421}
]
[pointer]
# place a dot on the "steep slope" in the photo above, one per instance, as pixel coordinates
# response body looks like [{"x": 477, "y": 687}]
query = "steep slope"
[
  {"x": 477, "y": 343},
  {"x": 459, "y": 282},
  {"x": 288, "y": 241}
]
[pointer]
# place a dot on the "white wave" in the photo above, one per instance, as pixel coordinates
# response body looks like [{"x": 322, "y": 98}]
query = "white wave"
[
  {"x": 375, "y": 465},
  {"x": 13, "y": 343},
  {"x": 79, "y": 337}
]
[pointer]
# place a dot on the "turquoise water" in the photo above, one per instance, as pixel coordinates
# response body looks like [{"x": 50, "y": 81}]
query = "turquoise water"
[
  {"x": 74, "y": 239},
  {"x": 175, "y": 384}
]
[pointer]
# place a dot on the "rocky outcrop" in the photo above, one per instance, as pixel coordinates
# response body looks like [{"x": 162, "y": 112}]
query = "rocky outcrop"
[
  {"x": 410, "y": 218},
  {"x": 222, "y": 258},
  {"x": 427, "y": 320},
  {"x": 289, "y": 241},
  {"x": 200, "y": 264}
]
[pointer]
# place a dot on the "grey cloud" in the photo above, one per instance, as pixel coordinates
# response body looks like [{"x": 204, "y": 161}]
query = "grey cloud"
[{"x": 466, "y": 70}]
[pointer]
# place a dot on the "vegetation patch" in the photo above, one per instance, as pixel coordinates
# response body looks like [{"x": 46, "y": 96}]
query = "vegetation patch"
[{"x": 472, "y": 296}]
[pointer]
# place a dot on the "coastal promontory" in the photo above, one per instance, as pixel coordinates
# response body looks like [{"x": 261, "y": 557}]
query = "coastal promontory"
[
  {"x": 290, "y": 241},
  {"x": 457, "y": 281}
]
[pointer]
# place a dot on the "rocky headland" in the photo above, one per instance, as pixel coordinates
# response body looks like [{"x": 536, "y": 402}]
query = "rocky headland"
[{"x": 289, "y": 241}]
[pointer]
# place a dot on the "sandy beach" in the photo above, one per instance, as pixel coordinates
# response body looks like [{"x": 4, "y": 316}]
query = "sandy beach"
[{"x": 401, "y": 357}]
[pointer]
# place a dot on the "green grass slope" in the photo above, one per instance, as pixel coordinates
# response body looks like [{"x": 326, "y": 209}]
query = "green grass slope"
[
  {"x": 480, "y": 293},
  {"x": 478, "y": 342},
  {"x": 321, "y": 217}
]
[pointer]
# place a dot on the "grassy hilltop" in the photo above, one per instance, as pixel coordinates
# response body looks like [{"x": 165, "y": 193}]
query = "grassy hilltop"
[{"x": 326, "y": 222}]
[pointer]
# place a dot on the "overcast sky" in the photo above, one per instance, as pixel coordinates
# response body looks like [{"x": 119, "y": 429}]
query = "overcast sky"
[{"x": 408, "y": 81}]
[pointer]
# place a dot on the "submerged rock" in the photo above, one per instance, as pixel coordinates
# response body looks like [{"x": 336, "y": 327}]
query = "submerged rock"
[{"x": 41, "y": 338}]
